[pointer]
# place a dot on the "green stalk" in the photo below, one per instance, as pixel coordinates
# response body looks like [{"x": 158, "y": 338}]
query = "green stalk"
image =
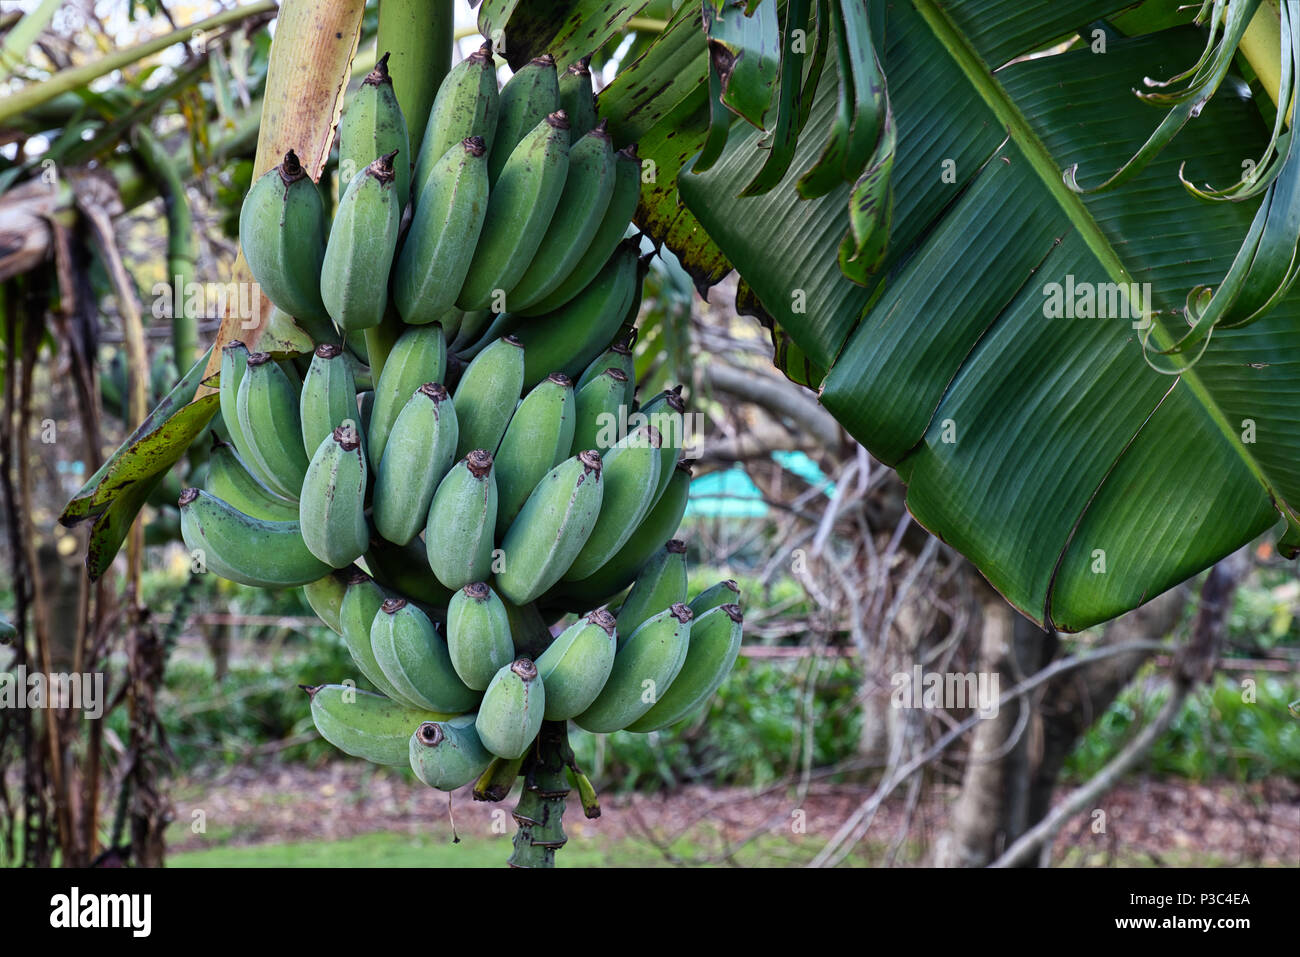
[
  {"x": 540, "y": 811},
  {"x": 65, "y": 81},
  {"x": 180, "y": 244},
  {"x": 380, "y": 340},
  {"x": 19, "y": 40},
  {"x": 417, "y": 34}
]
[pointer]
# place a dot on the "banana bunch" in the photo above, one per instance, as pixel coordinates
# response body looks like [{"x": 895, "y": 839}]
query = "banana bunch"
[{"x": 452, "y": 508}]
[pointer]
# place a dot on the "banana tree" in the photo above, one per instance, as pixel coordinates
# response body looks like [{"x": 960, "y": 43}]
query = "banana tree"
[{"x": 1068, "y": 329}]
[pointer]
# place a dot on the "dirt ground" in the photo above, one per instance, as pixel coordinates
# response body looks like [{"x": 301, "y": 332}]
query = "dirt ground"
[{"x": 1145, "y": 823}]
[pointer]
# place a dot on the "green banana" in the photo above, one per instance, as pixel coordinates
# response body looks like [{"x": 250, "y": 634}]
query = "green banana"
[
  {"x": 466, "y": 106},
  {"x": 569, "y": 338},
  {"x": 267, "y": 408},
  {"x": 667, "y": 413},
  {"x": 578, "y": 215},
  {"x": 421, "y": 448},
  {"x": 373, "y": 126},
  {"x": 230, "y": 480},
  {"x": 510, "y": 714},
  {"x": 520, "y": 207},
  {"x": 325, "y": 595},
  {"x": 538, "y": 438},
  {"x": 418, "y": 356},
  {"x": 576, "y": 666},
  {"x": 357, "y": 611},
  {"x": 650, "y": 536},
  {"x": 478, "y": 635},
  {"x": 282, "y": 234},
  {"x": 714, "y": 647},
  {"x": 618, "y": 356},
  {"x": 644, "y": 670},
  {"x": 444, "y": 233},
  {"x": 234, "y": 362},
  {"x": 332, "y": 507},
  {"x": 660, "y": 584},
  {"x": 630, "y": 474},
  {"x": 359, "y": 254},
  {"x": 613, "y": 227},
  {"x": 599, "y": 413},
  {"x": 551, "y": 528},
  {"x": 414, "y": 658},
  {"x": 526, "y": 99},
  {"x": 725, "y": 592},
  {"x": 577, "y": 97},
  {"x": 329, "y": 396},
  {"x": 448, "y": 754},
  {"x": 462, "y": 518},
  {"x": 364, "y": 724},
  {"x": 487, "y": 394},
  {"x": 243, "y": 549}
]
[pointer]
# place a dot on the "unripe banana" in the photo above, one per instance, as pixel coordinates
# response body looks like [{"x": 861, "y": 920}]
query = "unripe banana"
[
  {"x": 576, "y": 666},
  {"x": 569, "y": 338},
  {"x": 405, "y": 570},
  {"x": 630, "y": 474},
  {"x": 577, "y": 97},
  {"x": 714, "y": 647},
  {"x": 613, "y": 227},
  {"x": 414, "y": 658},
  {"x": 268, "y": 417},
  {"x": 230, "y": 480},
  {"x": 651, "y": 535},
  {"x": 478, "y": 635},
  {"x": 661, "y": 584},
  {"x": 462, "y": 519},
  {"x": 357, "y": 611},
  {"x": 538, "y": 438},
  {"x": 234, "y": 362},
  {"x": 600, "y": 413},
  {"x": 578, "y": 215},
  {"x": 725, "y": 592},
  {"x": 520, "y": 207},
  {"x": 644, "y": 670},
  {"x": 332, "y": 507},
  {"x": 418, "y": 356},
  {"x": 238, "y": 547},
  {"x": 466, "y": 105},
  {"x": 359, "y": 255},
  {"x": 526, "y": 99},
  {"x": 421, "y": 448},
  {"x": 325, "y": 595},
  {"x": 551, "y": 528},
  {"x": 372, "y": 126},
  {"x": 510, "y": 714},
  {"x": 282, "y": 234},
  {"x": 444, "y": 233},
  {"x": 487, "y": 394},
  {"x": 618, "y": 356},
  {"x": 448, "y": 754},
  {"x": 366, "y": 725},
  {"x": 667, "y": 413},
  {"x": 329, "y": 396}
]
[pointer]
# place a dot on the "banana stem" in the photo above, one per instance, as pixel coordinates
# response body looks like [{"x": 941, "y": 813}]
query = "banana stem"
[
  {"x": 540, "y": 811},
  {"x": 180, "y": 245},
  {"x": 417, "y": 35},
  {"x": 380, "y": 340}
]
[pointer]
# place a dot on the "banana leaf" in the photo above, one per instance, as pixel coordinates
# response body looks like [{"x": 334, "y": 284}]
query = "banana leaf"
[{"x": 997, "y": 359}]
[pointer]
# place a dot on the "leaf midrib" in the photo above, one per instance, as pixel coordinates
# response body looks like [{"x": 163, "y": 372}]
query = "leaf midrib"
[{"x": 1042, "y": 162}]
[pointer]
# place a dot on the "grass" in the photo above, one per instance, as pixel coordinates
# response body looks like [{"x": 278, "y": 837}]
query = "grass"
[{"x": 389, "y": 849}]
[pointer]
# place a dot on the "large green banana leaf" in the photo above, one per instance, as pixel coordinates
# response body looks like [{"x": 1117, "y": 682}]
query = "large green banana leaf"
[{"x": 1079, "y": 480}]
